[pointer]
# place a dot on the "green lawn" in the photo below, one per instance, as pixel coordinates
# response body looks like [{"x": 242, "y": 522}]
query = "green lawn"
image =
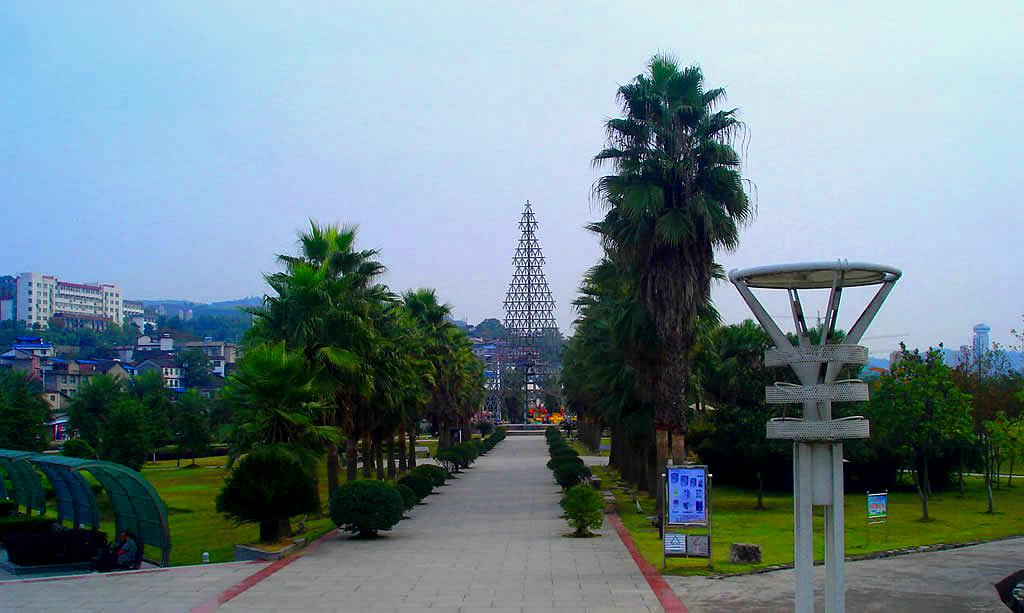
[
  {"x": 190, "y": 495},
  {"x": 954, "y": 520}
]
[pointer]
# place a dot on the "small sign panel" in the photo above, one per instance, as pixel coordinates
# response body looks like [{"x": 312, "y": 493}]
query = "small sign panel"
[
  {"x": 687, "y": 499},
  {"x": 878, "y": 506},
  {"x": 675, "y": 545},
  {"x": 697, "y": 546}
]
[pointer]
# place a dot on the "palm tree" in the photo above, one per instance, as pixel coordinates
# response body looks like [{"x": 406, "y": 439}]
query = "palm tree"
[
  {"x": 324, "y": 307},
  {"x": 275, "y": 399},
  {"x": 675, "y": 196}
]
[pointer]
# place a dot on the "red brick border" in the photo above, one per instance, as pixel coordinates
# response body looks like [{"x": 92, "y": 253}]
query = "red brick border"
[
  {"x": 260, "y": 575},
  {"x": 668, "y": 599}
]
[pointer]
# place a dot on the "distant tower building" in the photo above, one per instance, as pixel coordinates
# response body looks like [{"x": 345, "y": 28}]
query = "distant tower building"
[
  {"x": 529, "y": 310},
  {"x": 980, "y": 343}
]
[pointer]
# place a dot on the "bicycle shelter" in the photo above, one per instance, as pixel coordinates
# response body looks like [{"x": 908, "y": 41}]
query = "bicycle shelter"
[{"x": 138, "y": 509}]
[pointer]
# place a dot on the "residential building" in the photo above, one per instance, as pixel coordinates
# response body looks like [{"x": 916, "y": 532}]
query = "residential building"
[
  {"x": 222, "y": 355},
  {"x": 168, "y": 369},
  {"x": 41, "y": 299},
  {"x": 28, "y": 354},
  {"x": 68, "y": 376}
]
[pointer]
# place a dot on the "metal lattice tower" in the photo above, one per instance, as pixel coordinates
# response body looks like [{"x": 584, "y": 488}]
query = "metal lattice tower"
[{"x": 529, "y": 308}]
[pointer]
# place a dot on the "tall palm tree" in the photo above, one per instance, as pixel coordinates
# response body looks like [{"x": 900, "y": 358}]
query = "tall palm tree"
[
  {"x": 676, "y": 196},
  {"x": 324, "y": 306}
]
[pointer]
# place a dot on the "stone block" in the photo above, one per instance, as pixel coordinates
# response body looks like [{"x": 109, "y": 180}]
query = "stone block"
[{"x": 744, "y": 553}]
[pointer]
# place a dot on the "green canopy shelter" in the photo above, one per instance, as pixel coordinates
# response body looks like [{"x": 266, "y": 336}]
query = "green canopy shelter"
[{"x": 138, "y": 508}]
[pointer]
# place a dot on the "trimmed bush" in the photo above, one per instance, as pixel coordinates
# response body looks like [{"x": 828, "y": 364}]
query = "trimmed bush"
[
  {"x": 65, "y": 546},
  {"x": 19, "y": 524},
  {"x": 417, "y": 483},
  {"x": 268, "y": 486},
  {"x": 78, "y": 448},
  {"x": 582, "y": 506},
  {"x": 568, "y": 475},
  {"x": 435, "y": 474},
  {"x": 561, "y": 460},
  {"x": 366, "y": 507},
  {"x": 409, "y": 498},
  {"x": 485, "y": 428}
]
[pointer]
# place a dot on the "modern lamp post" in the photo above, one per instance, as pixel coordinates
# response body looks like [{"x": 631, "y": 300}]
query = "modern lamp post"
[{"x": 817, "y": 437}]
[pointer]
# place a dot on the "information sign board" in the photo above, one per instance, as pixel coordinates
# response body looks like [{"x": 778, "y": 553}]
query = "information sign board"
[
  {"x": 675, "y": 545},
  {"x": 878, "y": 506},
  {"x": 687, "y": 495},
  {"x": 698, "y": 546}
]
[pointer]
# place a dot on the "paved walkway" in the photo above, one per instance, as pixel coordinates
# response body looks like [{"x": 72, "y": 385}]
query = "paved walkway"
[
  {"x": 165, "y": 590},
  {"x": 952, "y": 580},
  {"x": 490, "y": 541}
]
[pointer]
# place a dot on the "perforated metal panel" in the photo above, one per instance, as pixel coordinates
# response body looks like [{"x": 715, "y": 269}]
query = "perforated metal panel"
[
  {"x": 843, "y": 354},
  {"x": 825, "y": 430},
  {"x": 785, "y": 393}
]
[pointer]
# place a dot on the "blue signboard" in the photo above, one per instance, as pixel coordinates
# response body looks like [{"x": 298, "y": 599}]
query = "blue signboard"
[
  {"x": 687, "y": 495},
  {"x": 878, "y": 506}
]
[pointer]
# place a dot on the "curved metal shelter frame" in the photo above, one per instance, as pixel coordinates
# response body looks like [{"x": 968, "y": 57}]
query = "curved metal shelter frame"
[{"x": 138, "y": 508}]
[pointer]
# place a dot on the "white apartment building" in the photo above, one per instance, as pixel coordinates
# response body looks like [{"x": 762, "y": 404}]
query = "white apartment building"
[{"x": 41, "y": 298}]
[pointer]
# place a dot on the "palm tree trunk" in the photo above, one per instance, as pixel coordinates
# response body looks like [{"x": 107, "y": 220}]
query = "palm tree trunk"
[
  {"x": 351, "y": 456},
  {"x": 367, "y": 456},
  {"x": 378, "y": 456},
  {"x": 412, "y": 444},
  {"x": 392, "y": 469},
  {"x": 332, "y": 467},
  {"x": 402, "y": 465}
]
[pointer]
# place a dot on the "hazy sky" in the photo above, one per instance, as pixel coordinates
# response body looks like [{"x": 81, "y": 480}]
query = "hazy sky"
[{"x": 174, "y": 148}]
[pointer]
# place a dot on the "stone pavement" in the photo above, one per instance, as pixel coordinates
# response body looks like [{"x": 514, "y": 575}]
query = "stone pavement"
[
  {"x": 951, "y": 580},
  {"x": 173, "y": 589},
  {"x": 490, "y": 541}
]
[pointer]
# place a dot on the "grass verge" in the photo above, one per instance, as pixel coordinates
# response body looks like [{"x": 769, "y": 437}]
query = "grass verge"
[{"x": 955, "y": 519}]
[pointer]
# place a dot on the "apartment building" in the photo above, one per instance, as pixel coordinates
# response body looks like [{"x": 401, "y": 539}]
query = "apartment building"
[{"x": 40, "y": 299}]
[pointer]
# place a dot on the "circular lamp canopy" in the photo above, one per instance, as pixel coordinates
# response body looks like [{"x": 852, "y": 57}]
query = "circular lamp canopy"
[{"x": 815, "y": 275}]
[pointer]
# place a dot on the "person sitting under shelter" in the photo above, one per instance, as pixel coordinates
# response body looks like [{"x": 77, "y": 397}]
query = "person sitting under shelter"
[{"x": 121, "y": 555}]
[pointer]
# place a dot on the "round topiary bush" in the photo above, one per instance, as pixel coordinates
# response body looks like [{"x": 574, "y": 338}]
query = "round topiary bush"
[
  {"x": 419, "y": 484},
  {"x": 409, "y": 498},
  {"x": 435, "y": 474},
  {"x": 568, "y": 475},
  {"x": 561, "y": 460},
  {"x": 366, "y": 507},
  {"x": 269, "y": 485},
  {"x": 582, "y": 506}
]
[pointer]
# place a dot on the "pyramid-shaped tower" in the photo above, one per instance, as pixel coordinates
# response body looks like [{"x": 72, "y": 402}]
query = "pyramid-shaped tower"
[{"x": 529, "y": 308}]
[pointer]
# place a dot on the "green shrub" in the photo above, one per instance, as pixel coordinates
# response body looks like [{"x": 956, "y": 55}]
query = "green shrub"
[
  {"x": 78, "y": 448},
  {"x": 582, "y": 506},
  {"x": 268, "y": 486},
  {"x": 568, "y": 475},
  {"x": 366, "y": 507},
  {"x": 561, "y": 460},
  {"x": 17, "y": 524},
  {"x": 485, "y": 428},
  {"x": 417, "y": 483},
  {"x": 8, "y": 507},
  {"x": 409, "y": 498},
  {"x": 435, "y": 474}
]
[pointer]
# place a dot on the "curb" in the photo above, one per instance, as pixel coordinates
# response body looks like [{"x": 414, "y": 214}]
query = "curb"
[{"x": 668, "y": 599}]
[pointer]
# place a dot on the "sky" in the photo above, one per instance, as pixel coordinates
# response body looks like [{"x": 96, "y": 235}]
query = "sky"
[{"x": 174, "y": 148}]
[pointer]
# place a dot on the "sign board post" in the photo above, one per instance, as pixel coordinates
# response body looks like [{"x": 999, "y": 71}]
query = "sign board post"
[
  {"x": 878, "y": 512},
  {"x": 687, "y": 492}
]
